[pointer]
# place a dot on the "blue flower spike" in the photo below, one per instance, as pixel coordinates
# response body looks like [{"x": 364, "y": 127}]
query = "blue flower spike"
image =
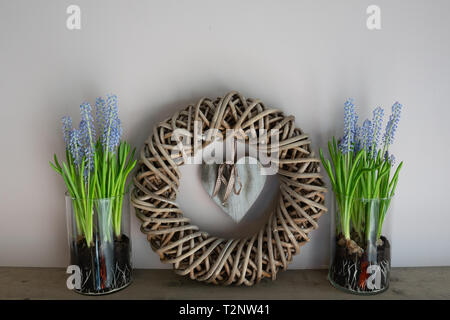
[
  {"x": 367, "y": 135},
  {"x": 66, "y": 128},
  {"x": 75, "y": 147},
  {"x": 112, "y": 128},
  {"x": 377, "y": 123},
  {"x": 350, "y": 120},
  {"x": 87, "y": 132},
  {"x": 392, "y": 124}
]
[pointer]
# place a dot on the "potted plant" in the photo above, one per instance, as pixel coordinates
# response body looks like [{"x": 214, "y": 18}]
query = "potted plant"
[
  {"x": 363, "y": 178},
  {"x": 97, "y": 165}
]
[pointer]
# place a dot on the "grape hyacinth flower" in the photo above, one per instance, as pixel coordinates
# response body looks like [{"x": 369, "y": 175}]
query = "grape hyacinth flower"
[
  {"x": 100, "y": 113},
  {"x": 391, "y": 126},
  {"x": 87, "y": 132},
  {"x": 75, "y": 147},
  {"x": 87, "y": 148},
  {"x": 67, "y": 128},
  {"x": 391, "y": 160},
  {"x": 112, "y": 129},
  {"x": 377, "y": 122},
  {"x": 115, "y": 135},
  {"x": 357, "y": 137},
  {"x": 350, "y": 120},
  {"x": 366, "y": 135},
  {"x": 86, "y": 116}
]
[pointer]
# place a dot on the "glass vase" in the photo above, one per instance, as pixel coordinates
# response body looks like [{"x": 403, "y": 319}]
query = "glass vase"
[
  {"x": 360, "y": 247},
  {"x": 100, "y": 243}
]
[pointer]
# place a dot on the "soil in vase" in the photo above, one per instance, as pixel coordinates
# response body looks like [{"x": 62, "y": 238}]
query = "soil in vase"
[
  {"x": 352, "y": 271},
  {"x": 105, "y": 267}
]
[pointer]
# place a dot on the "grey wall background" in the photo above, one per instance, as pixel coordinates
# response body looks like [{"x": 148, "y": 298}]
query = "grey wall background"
[{"x": 305, "y": 57}]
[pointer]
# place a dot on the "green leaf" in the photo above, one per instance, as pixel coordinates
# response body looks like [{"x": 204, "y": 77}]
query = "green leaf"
[
  {"x": 58, "y": 170},
  {"x": 394, "y": 180}
]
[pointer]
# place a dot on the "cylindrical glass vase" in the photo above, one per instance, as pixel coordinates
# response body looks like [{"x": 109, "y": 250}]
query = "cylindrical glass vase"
[
  {"x": 100, "y": 243},
  {"x": 360, "y": 249}
]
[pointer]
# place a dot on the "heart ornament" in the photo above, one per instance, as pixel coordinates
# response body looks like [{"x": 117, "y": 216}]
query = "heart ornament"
[{"x": 234, "y": 191}]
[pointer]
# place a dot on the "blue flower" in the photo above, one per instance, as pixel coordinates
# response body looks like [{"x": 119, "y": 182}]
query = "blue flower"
[
  {"x": 87, "y": 147},
  {"x": 350, "y": 119},
  {"x": 392, "y": 160},
  {"x": 391, "y": 126},
  {"x": 100, "y": 112},
  {"x": 112, "y": 129},
  {"x": 67, "y": 128},
  {"x": 87, "y": 136},
  {"x": 75, "y": 147},
  {"x": 377, "y": 122},
  {"x": 357, "y": 138},
  {"x": 115, "y": 136},
  {"x": 366, "y": 135},
  {"x": 389, "y": 158},
  {"x": 86, "y": 116}
]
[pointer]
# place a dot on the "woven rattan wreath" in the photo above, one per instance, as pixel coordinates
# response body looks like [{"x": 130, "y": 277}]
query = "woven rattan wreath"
[{"x": 228, "y": 261}]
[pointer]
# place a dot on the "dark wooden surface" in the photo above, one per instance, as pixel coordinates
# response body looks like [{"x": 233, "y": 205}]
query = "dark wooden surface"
[{"x": 50, "y": 283}]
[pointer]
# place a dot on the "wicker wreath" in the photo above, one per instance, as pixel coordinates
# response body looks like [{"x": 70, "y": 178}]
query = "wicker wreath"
[{"x": 228, "y": 261}]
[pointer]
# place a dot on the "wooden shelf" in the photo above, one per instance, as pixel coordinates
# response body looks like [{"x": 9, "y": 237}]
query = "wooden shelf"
[{"x": 50, "y": 283}]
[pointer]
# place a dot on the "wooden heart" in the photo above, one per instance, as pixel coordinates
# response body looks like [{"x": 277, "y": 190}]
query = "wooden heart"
[{"x": 249, "y": 171}]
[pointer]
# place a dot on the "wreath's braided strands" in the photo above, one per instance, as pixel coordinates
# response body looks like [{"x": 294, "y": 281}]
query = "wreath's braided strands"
[{"x": 234, "y": 261}]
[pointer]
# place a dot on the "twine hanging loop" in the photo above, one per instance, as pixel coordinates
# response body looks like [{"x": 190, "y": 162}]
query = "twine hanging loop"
[{"x": 227, "y": 174}]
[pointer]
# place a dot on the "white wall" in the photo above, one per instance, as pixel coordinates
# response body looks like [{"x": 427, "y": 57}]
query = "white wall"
[{"x": 305, "y": 57}]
